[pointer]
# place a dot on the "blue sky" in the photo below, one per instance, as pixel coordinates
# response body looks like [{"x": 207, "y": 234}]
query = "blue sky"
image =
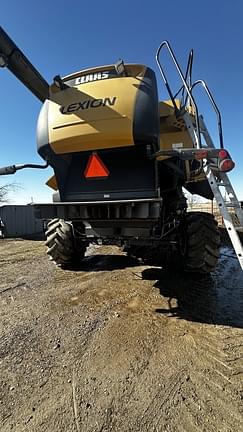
[{"x": 61, "y": 37}]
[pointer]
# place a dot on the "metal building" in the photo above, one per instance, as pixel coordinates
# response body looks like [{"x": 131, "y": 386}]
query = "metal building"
[{"x": 20, "y": 221}]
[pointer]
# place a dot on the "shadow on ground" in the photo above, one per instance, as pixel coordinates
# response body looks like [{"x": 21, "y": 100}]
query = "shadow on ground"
[
  {"x": 95, "y": 263},
  {"x": 206, "y": 299},
  {"x": 212, "y": 299}
]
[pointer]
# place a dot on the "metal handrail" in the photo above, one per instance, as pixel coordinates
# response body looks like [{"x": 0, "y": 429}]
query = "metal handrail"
[
  {"x": 188, "y": 75},
  {"x": 188, "y": 90},
  {"x": 210, "y": 96},
  {"x": 188, "y": 78}
]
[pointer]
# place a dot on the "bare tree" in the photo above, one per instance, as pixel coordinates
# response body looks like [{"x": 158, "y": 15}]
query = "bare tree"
[{"x": 6, "y": 189}]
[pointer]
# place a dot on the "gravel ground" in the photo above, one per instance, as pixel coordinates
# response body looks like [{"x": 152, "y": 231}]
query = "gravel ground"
[{"x": 118, "y": 346}]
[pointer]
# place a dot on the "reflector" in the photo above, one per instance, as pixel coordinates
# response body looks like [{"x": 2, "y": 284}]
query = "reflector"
[
  {"x": 95, "y": 167},
  {"x": 223, "y": 154},
  {"x": 226, "y": 165}
]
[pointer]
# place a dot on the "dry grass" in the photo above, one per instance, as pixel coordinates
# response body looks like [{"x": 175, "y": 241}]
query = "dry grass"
[{"x": 212, "y": 208}]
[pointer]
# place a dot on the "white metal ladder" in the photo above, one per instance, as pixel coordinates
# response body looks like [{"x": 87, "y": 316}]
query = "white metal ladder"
[
  {"x": 197, "y": 128},
  {"x": 220, "y": 183}
]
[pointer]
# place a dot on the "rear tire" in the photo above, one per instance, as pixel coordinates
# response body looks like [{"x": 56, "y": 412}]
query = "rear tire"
[
  {"x": 197, "y": 249},
  {"x": 62, "y": 246},
  {"x": 201, "y": 244}
]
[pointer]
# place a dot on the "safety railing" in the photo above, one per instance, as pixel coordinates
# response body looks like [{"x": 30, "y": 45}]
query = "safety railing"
[{"x": 188, "y": 87}]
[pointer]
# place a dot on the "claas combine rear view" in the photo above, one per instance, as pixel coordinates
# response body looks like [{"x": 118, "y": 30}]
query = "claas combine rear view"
[{"x": 120, "y": 160}]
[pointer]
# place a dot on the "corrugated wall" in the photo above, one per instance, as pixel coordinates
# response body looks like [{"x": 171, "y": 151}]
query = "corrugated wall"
[{"x": 19, "y": 220}]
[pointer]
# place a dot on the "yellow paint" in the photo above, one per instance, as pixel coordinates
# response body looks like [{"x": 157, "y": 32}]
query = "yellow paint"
[
  {"x": 170, "y": 133},
  {"x": 52, "y": 183},
  {"x": 105, "y": 126},
  {"x": 166, "y": 108}
]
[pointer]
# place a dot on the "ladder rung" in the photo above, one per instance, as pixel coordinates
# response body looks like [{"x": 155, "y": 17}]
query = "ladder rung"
[
  {"x": 226, "y": 185},
  {"x": 232, "y": 205}
]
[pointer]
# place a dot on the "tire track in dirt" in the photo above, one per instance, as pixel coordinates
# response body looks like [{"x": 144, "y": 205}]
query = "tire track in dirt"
[
  {"x": 137, "y": 349},
  {"x": 213, "y": 373},
  {"x": 214, "y": 391}
]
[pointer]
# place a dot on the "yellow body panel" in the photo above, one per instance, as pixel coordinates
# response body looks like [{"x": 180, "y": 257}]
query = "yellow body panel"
[
  {"x": 166, "y": 107},
  {"x": 107, "y": 125},
  {"x": 172, "y": 140},
  {"x": 172, "y": 130},
  {"x": 173, "y": 134},
  {"x": 52, "y": 183}
]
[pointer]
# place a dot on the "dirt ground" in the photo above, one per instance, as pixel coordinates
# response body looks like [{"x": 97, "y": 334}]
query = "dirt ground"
[{"x": 117, "y": 345}]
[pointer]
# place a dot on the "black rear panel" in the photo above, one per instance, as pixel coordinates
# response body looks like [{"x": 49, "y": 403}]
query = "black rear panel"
[
  {"x": 131, "y": 175},
  {"x": 146, "y": 116}
]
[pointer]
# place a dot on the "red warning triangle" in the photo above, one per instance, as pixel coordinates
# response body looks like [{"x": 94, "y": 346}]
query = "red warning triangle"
[{"x": 95, "y": 167}]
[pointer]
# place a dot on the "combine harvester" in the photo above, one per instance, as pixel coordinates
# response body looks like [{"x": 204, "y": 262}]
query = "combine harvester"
[{"x": 120, "y": 160}]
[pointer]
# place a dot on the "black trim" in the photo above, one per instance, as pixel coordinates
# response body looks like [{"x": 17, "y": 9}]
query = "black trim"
[
  {"x": 200, "y": 188},
  {"x": 57, "y": 162},
  {"x": 97, "y": 77},
  {"x": 146, "y": 114}
]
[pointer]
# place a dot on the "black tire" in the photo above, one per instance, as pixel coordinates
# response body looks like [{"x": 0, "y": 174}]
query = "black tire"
[
  {"x": 197, "y": 251},
  {"x": 62, "y": 247},
  {"x": 200, "y": 246},
  {"x": 133, "y": 251}
]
